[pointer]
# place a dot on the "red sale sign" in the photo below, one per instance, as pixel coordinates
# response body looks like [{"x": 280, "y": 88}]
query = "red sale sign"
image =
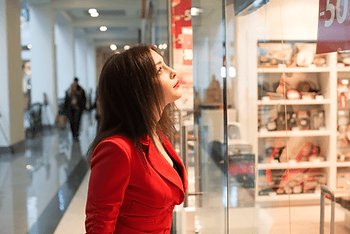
[
  {"x": 187, "y": 46},
  {"x": 181, "y": 18},
  {"x": 333, "y": 26}
]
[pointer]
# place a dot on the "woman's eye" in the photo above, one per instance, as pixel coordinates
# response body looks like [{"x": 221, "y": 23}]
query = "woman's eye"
[{"x": 159, "y": 71}]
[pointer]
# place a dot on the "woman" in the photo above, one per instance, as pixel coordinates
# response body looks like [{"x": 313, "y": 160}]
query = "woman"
[{"x": 136, "y": 176}]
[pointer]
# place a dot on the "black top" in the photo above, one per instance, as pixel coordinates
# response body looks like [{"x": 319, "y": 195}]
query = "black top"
[{"x": 177, "y": 168}]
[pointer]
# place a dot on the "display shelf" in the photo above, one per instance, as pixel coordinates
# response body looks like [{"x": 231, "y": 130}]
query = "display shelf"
[
  {"x": 294, "y": 70},
  {"x": 265, "y": 166},
  {"x": 342, "y": 167},
  {"x": 343, "y": 164},
  {"x": 294, "y": 102},
  {"x": 343, "y": 69},
  {"x": 321, "y": 77},
  {"x": 304, "y": 133},
  {"x": 286, "y": 197}
]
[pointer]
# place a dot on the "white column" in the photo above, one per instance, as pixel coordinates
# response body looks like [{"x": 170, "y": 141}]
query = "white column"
[
  {"x": 64, "y": 40},
  {"x": 43, "y": 62},
  {"x": 11, "y": 95},
  {"x": 81, "y": 61}
]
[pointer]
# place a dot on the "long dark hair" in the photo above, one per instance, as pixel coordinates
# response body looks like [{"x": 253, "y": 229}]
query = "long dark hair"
[{"x": 130, "y": 95}]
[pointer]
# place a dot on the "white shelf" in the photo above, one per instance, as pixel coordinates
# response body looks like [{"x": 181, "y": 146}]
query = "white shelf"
[
  {"x": 294, "y": 102},
  {"x": 264, "y": 166},
  {"x": 294, "y": 70},
  {"x": 343, "y": 69},
  {"x": 343, "y": 164},
  {"x": 327, "y": 78},
  {"x": 286, "y": 197},
  {"x": 305, "y": 133}
]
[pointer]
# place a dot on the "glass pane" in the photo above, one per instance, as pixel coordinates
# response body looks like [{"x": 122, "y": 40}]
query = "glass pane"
[
  {"x": 273, "y": 119},
  {"x": 285, "y": 100},
  {"x": 208, "y": 82}
]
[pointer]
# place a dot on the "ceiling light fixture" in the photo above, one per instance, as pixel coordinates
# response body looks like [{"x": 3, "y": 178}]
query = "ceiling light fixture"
[
  {"x": 103, "y": 28},
  {"x": 196, "y": 11},
  {"x": 113, "y": 47},
  {"x": 93, "y": 12},
  {"x": 126, "y": 47}
]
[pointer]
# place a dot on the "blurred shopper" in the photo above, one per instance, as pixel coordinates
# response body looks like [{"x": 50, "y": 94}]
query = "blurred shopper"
[
  {"x": 74, "y": 104},
  {"x": 136, "y": 177}
]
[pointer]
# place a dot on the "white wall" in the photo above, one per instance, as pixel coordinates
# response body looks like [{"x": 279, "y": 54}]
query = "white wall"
[
  {"x": 91, "y": 69},
  {"x": 80, "y": 49},
  {"x": 64, "y": 40},
  {"x": 43, "y": 61}
]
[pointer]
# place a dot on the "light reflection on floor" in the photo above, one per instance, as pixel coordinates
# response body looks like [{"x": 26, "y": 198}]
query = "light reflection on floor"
[{"x": 48, "y": 172}]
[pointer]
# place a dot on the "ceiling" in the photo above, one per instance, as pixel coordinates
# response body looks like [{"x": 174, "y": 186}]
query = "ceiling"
[{"x": 123, "y": 18}]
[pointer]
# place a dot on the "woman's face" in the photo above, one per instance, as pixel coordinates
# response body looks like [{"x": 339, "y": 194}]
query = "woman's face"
[{"x": 168, "y": 79}]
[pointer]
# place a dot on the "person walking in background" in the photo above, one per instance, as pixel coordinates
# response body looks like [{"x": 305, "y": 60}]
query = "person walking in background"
[
  {"x": 74, "y": 105},
  {"x": 136, "y": 177}
]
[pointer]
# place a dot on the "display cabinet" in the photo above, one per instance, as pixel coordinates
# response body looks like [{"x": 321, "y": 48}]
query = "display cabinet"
[
  {"x": 343, "y": 124},
  {"x": 296, "y": 103}
]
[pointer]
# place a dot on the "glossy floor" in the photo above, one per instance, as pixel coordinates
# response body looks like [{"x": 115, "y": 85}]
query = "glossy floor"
[
  {"x": 43, "y": 190},
  {"x": 37, "y": 186}
]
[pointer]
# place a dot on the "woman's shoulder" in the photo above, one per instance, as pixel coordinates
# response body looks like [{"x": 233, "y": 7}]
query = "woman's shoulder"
[
  {"x": 118, "y": 139},
  {"x": 114, "y": 143},
  {"x": 123, "y": 142}
]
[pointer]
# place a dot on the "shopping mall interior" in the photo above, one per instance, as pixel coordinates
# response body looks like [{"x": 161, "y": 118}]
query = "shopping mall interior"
[{"x": 263, "y": 126}]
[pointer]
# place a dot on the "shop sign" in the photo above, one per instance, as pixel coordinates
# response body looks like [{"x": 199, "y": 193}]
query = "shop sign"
[
  {"x": 181, "y": 18},
  {"x": 333, "y": 26},
  {"x": 187, "y": 50}
]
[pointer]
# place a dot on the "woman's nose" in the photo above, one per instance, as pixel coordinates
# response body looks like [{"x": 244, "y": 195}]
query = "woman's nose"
[{"x": 172, "y": 73}]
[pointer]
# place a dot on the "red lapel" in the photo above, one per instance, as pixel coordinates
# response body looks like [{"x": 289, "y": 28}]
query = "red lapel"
[{"x": 162, "y": 167}]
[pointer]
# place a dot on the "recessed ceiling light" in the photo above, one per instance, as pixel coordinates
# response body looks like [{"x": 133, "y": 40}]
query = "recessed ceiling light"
[
  {"x": 126, "y": 47},
  {"x": 113, "y": 47},
  {"x": 103, "y": 28},
  {"x": 92, "y": 10},
  {"x": 94, "y": 14}
]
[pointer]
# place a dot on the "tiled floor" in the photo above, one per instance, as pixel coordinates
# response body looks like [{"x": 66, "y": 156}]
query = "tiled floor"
[{"x": 44, "y": 191}]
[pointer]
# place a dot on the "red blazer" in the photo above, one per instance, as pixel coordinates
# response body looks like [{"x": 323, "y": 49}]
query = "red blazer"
[{"x": 124, "y": 196}]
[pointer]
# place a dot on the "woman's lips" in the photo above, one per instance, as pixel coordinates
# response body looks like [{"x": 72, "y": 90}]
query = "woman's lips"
[{"x": 177, "y": 84}]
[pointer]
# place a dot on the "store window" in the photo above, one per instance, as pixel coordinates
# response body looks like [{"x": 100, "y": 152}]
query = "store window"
[{"x": 272, "y": 117}]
